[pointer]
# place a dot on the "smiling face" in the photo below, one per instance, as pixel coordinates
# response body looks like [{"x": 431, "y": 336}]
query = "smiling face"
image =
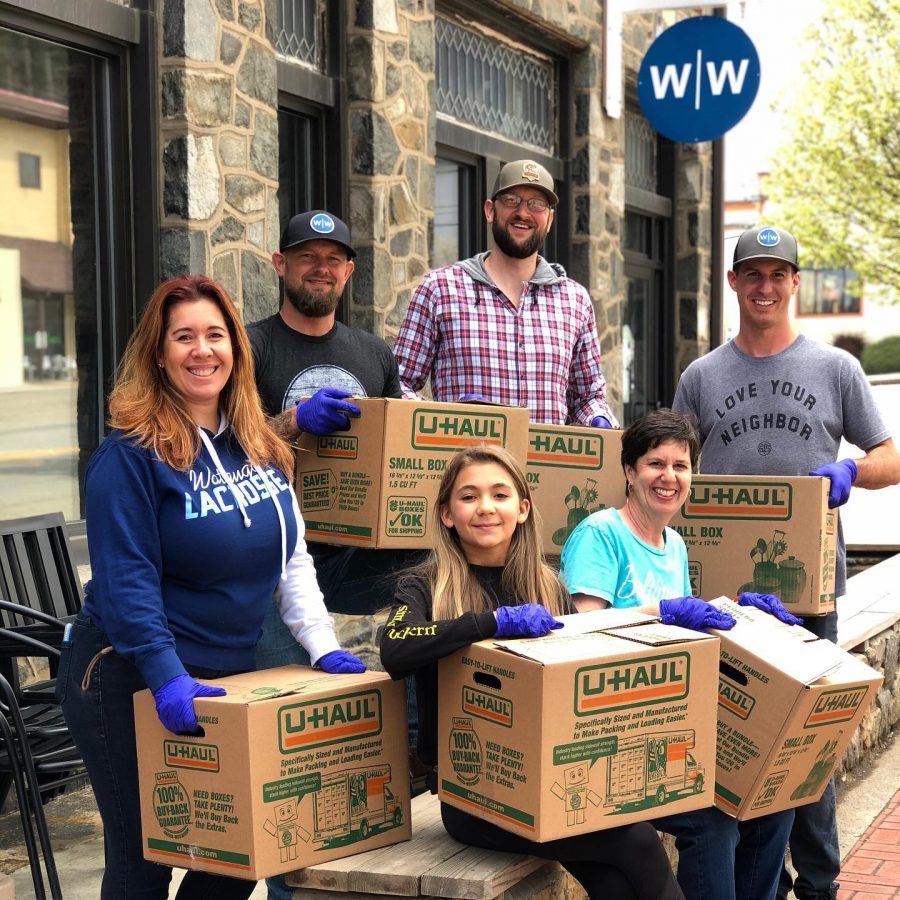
[
  {"x": 764, "y": 288},
  {"x": 659, "y": 482},
  {"x": 197, "y": 357},
  {"x": 314, "y": 274},
  {"x": 518, "y": 232},
  {"x": 485, "y": 509}
]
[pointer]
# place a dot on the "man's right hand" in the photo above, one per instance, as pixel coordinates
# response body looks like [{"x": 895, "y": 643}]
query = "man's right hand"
[{"x": 326, "y": 411}]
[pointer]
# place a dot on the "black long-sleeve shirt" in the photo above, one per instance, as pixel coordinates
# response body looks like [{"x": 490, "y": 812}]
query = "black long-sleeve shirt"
[{"x": 413, "y": 643}]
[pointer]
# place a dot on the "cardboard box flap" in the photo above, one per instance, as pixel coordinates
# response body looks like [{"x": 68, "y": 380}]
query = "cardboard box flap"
[
  {"x": 655, "y": 634},
  {"x": 790, "y": 648},
  {"x": 253, "y": 687},
  {"x": 561, "y": 647},
  {"x": 603, "y": 620}
]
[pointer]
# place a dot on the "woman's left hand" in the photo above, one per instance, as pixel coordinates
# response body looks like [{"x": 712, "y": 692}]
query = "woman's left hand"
[
  {"x": 771, "y": 604},
  {"x": 340, "y": 662}
]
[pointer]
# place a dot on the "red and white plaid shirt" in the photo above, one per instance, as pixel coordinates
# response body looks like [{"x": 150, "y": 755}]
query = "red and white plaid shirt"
[{"x": 468, "y": 336}]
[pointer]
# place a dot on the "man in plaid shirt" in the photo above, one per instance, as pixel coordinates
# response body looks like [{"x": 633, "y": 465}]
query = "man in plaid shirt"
[{"x": 507, "y": 326}]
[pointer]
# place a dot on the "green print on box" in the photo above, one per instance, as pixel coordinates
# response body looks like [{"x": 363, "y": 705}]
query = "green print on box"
[
  {"x": 171, "y": 805},
  {"x": 465, "y": 751},
  {"x": 580, "y": 502}
]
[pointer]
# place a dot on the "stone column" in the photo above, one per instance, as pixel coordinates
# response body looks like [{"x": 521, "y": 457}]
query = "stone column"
[
  {"x": 219, "y": 146},
  {"x": 390, "y": 90}
]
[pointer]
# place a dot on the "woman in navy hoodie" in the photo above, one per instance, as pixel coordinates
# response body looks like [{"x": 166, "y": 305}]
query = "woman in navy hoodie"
[{"x": 192, "y": 526}]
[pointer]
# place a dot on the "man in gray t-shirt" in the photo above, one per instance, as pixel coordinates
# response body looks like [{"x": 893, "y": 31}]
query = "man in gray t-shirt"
[{"x": 773, "y": 402}]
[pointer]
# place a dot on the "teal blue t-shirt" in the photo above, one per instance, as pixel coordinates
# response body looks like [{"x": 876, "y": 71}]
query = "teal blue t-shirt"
[{"x": 603, "y": 558}]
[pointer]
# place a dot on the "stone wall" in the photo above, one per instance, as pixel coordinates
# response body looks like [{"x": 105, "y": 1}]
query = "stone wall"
[{"x": 218, "y": 106}]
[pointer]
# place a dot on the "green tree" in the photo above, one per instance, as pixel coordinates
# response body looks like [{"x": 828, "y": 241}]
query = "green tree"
[{"x": 836, "y": 182}]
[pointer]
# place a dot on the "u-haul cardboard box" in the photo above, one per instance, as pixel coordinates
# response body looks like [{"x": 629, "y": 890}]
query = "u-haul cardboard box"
[
  {"x": 608, "y": 721},
  {"x": 295, "y": 767},
  {"x": 766, "y": 534},
  {"x": 375, "y": 485},
  {"x": 789, "y": 703},
  {"x": 572, "y": 471}
]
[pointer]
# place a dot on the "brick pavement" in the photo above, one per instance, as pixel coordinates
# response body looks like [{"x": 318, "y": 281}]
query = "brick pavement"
[{"x": 871, "y": 870}]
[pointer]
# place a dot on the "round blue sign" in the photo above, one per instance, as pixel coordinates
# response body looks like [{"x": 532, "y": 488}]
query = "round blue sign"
[
  {"x": 322, "y": 222},
  {"x": 698, "y": 79}
]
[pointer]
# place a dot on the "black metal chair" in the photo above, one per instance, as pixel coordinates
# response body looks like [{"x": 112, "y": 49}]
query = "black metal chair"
[
  {"x": 37, "y": 755},
  {"x": 39, "y": 592}
]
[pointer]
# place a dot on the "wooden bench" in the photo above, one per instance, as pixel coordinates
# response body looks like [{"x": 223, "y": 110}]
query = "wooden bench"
[{"x": 432, "y": 864}]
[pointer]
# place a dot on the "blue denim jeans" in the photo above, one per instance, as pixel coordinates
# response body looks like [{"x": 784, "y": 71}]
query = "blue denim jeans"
[
  {"x": 815, "y": 847},
  {"x": 101, "y": 721},
  {"x": 720, "y": 858}
]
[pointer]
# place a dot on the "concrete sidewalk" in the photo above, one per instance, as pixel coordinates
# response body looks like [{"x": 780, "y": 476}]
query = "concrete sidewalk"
[{"x": 868, "y": 816}]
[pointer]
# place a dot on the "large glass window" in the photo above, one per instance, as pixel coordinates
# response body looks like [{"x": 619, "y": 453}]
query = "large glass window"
[
  {"x": 829, "y": 292},
  {"x": 55, "y": 224},
  {"x": 454, "y": 197}
]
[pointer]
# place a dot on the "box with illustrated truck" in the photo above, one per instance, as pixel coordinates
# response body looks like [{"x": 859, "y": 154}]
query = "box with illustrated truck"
[
  {"x": 608, "y": 721},
  {"x": 295, "y": 767},
  {"x": 789, "y": 703},
  {"x": 766, "y": 534},
  {"x": 655, "y": 766},
  {"x": 375, "y": 485},
  {"x": 572, "y": 471}
]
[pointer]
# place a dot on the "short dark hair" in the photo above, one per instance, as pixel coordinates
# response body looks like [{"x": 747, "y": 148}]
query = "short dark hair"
[{"x": 655, "y": 428}]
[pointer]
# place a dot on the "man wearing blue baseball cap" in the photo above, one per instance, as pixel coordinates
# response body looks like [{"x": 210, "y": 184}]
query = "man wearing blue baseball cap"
[
  {"x": 774, "y": 402},
  {"x": 309, "y": 368}
]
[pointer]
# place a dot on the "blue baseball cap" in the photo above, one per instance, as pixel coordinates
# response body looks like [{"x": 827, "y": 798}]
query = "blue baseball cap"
[{"x": 316, "y": 225}]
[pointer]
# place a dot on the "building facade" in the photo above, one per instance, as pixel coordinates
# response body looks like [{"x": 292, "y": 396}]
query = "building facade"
[{"x": 140, "y": 140}]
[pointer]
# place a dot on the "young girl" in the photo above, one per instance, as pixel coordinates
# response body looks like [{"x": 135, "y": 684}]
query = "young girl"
[{"x": 486, "y": 578}]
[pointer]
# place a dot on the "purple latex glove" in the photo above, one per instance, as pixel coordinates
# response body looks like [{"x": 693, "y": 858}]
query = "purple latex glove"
[
  {"x": 527, "y": 620},
  {"x": 326, "y": 411},
  {"x": 771, "y": 604},
  {"x": 693, "y": 613},
  {"x": 340, "y": 662},
  {"x": 601, "y": 422},
  {"x": 468, "y": 398},
  {"x": 842, "y": 474},
  {"x": 175, "y": 702}
]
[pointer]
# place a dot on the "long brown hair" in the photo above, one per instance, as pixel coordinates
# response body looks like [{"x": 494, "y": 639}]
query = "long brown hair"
[
  {"x": 526, "y": 576},
  {"x": 145, "y": 405}
]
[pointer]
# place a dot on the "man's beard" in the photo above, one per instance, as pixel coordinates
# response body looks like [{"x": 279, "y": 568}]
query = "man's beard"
[
  {"x": 316, "y": 306},
  {"x": 507, "y": 245}
]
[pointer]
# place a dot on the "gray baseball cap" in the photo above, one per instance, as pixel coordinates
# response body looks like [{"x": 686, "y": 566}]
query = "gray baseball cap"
[
  {"x": 316, "y": 225},
  {"x": 766, "y": 242},
  {"x": 525, "y": 173}
]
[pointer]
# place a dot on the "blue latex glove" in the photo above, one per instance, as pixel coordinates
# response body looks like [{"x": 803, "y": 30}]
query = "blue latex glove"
[
  {"x": 466, "y": 398},
  {"x": 527, "y": 620},
  {"x": 771, "y": 604},
  {"x": 601, "y": 422},
  {"x": 340, "y": 662},
  {"x": 175, "y": 702},
  {"x": 693, "y": 613},
  {"x": 326, "y": 411},
  {"x": 842, "y": 474}
]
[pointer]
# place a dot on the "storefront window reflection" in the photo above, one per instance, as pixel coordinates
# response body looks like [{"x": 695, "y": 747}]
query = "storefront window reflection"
[{"x": 49, "y": 325}]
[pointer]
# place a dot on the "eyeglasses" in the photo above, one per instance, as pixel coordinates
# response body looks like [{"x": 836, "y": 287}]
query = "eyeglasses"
[{"x": 512, "y": 201}]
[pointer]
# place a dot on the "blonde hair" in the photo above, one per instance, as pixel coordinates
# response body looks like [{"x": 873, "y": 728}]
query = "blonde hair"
[
  {"x": 526, "y": 577},
  {"x": 145, "y": 405}
]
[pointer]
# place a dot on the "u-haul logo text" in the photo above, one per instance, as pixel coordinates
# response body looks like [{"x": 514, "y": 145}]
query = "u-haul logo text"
[
  {"x": 450, "y": 431},
  {"x": 638, "y": 682},
  {"x": 183, "y": 755},
  {"x": 577, "y": 451},
  {"x": 742, "y": 500},
  {"x": 487, "y": 706},
  {"x": 317, "y": 722},
  {"x": 735, "y": 700},
  {"x": 836, "y": 706},
  {"x": 333, "y": 446}
]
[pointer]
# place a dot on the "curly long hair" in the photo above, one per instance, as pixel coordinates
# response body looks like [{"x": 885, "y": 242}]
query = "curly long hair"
[
  {"x": 144, "y": 404},
  {"x": 526, "y": 577}
]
